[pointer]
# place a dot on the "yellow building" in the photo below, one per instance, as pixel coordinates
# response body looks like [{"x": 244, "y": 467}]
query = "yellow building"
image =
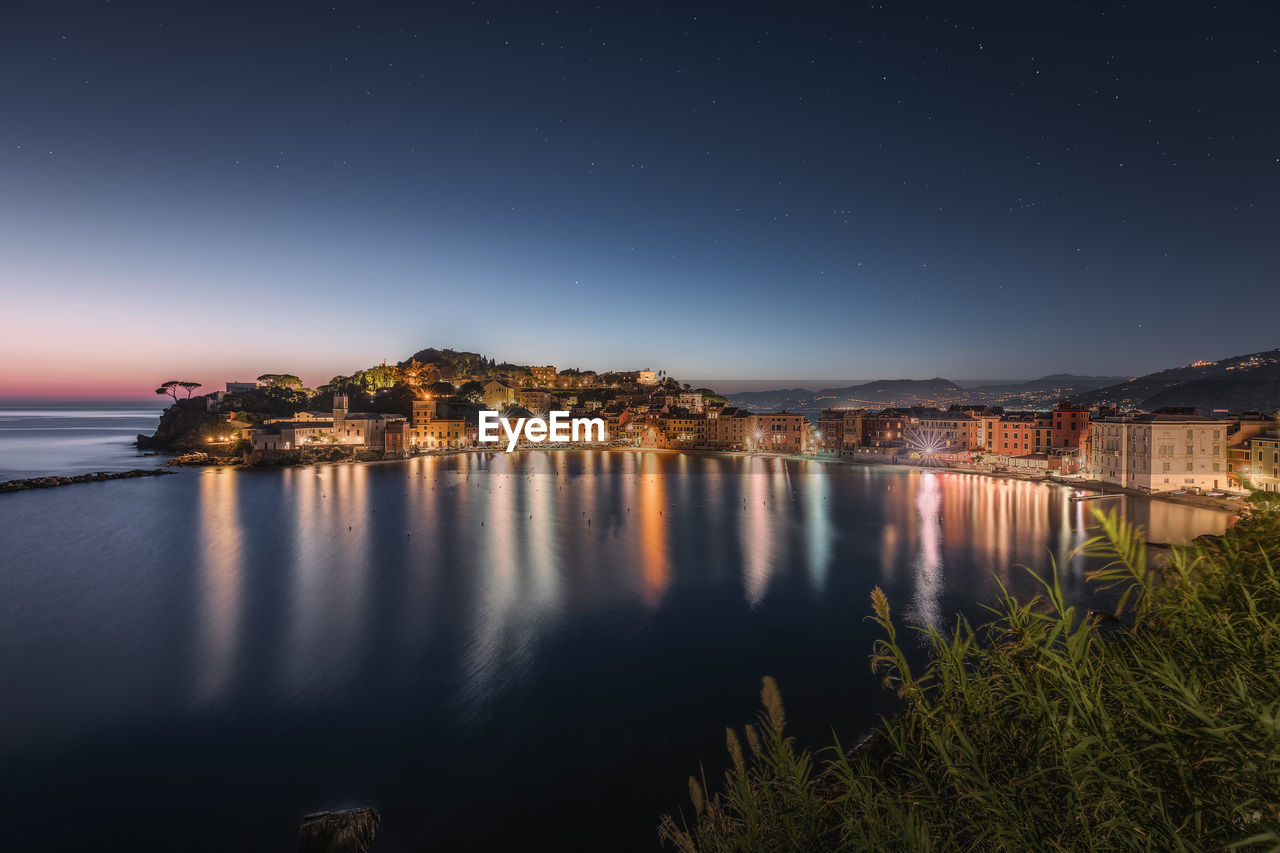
[
  {"x": 430, "y": 431},
  {"x": 729, "y": 429},
  {"x": 1263, "y": 468},
  {"x": 497, "y": 395}
]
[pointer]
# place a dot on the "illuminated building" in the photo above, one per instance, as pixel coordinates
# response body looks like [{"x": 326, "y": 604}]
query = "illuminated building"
[
  {"x": 435, "y": 426},
  {"x": 1256, "y": 461},
  {"x": 497, "y": 395},
  {"x": 778, "y": 432},
  {"x": 730, "y": 429},
  {"x": 1167, "y": 450},
  {"x": 545, "y": 376}
]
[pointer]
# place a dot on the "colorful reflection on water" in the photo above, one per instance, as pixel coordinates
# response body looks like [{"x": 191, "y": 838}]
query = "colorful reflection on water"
[{"x": 476, "y": 643}]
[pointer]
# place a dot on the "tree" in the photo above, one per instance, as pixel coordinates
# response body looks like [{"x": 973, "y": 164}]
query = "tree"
[
  {"x": 471, "y": 391},
  {"x": 281, "y": 380},
  {"x": 171, "y": 388},
  {"x": 709, "y": 396}
]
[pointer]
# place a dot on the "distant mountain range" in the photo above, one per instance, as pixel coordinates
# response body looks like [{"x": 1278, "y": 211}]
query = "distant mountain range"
[
  {"x": 1240, "y": 383},
  {"x": 923, "y": 392},
  {"x": 1054, "y": 382},
  {"x": 887, "y": 392},
  {"x": 1237, "y": 384}
]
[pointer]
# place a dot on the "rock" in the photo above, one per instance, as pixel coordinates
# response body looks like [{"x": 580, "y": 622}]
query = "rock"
[
  {"x": 349, "y": 831},
  {"x": 95, "y": 477}
]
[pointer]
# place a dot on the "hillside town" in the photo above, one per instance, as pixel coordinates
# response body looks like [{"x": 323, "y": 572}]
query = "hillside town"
[
  {"x": 640, "y": 408},
  {"x": 1167, "y": 450}
]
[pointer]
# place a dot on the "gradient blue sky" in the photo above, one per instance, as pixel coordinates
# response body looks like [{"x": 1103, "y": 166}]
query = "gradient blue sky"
[{"x": 720, "y": 190}]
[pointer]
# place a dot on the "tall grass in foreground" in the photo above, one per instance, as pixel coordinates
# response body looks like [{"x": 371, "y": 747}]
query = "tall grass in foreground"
[{"x": 1154, "y": 728}]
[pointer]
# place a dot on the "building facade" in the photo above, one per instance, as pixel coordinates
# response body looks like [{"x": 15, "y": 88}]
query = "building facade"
[
  {"x": 779, "y": 432},
  {"x": 1160, "y": 452},
  {"x": 545, "y": 376},
  {"x": 1262, "y": 471}
]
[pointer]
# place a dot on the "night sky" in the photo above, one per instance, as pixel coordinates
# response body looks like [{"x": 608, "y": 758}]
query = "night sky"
[{"x": 721, "y": 190}]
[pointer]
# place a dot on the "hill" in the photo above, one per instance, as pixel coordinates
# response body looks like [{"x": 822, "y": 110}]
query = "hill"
[
  {"x": 1063, "y": 384},
  {"x": 881, "y": 392},
  {"x": 1236, "y": 384}
]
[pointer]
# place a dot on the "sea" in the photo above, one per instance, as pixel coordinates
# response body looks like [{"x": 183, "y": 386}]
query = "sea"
[{"x": 497, "y": 651}]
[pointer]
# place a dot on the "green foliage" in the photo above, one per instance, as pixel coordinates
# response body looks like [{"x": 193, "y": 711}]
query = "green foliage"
[
  {"x": 1049, "y": 729},
  {"x": 766, "y": 804},
  {"x": 396, "y": 400},
  {"x": 470, "y": 391},
  {"x": 269, "y": 401},
  {"x": 282, "y": 380},
  {"x": 372, "y": 379}
]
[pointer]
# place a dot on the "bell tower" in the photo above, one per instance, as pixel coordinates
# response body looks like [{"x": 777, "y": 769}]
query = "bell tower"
[{"x": 339, "y": 415}]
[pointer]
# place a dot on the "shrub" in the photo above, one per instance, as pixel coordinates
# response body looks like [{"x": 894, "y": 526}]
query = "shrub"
[{"x": 1156, "y": 727}]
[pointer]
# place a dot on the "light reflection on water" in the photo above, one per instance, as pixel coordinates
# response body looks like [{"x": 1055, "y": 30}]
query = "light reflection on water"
[{"x": 352, "y": 633}]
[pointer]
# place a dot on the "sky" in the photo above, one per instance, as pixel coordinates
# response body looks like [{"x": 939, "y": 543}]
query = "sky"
[{"x": 215, "y": 191}]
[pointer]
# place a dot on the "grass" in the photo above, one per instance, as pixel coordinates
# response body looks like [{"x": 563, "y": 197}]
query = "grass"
[{"x": 1156, "y": 727}]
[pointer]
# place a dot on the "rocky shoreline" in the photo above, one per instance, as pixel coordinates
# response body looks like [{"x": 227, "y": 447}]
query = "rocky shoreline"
[{"x": 96, "y": 477}]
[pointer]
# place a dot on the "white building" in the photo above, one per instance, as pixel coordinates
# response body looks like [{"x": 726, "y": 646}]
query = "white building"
[
  {"x": 1160, "y": 452},
  {"x": 691, "y": 400},
  {"x": 310, "y": 429}
]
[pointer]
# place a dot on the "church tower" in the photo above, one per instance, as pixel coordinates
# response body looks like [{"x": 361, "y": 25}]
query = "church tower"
[{"x": 339, "y": 415}]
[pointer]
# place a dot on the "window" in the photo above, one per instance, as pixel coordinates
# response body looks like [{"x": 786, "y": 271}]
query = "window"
[
  {"x": 1216, "y": 467},
  {"x": 1190, "y": 467},
  {"x": 1166, "y": 467}
]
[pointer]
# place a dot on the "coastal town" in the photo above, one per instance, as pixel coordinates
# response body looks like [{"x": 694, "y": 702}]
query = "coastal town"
[{"x": 1168, "y": 450}]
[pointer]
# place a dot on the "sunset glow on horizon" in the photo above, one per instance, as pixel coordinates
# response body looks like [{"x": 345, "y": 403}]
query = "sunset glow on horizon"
[{"x": 317, "y": 193}]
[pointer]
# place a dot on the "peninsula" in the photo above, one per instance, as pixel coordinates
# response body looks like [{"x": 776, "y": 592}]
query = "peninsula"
[{"x": 437, "y": 400}]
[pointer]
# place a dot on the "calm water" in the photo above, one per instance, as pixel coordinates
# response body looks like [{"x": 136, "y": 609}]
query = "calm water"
[
  {"x": 42, "y": 438},
  {"x": 496, "y": 651}
]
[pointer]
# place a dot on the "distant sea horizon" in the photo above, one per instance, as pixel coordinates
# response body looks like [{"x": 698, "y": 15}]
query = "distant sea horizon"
[
  {"x": 63, "y": 402},
  {"x": 43, "y": 437}
]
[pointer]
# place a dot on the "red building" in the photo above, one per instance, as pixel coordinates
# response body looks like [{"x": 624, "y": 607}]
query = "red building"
[
  {"x": 831, "y": 429},
  {"x": 1070, "y": 426},
  {"x": 1015, "y": 435}
]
